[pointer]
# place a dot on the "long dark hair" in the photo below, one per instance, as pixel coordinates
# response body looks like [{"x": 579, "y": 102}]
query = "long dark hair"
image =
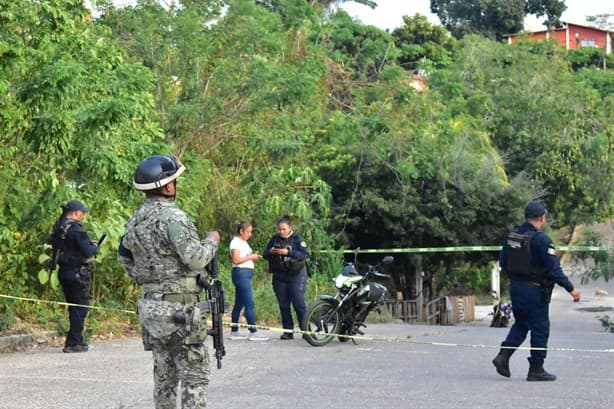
[{"x": 242, "y": 225}]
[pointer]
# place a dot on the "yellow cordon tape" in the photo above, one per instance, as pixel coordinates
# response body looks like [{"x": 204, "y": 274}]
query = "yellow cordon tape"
[
  {"x": 66, "y": 304},
  {"x": 354, "y": 337}
]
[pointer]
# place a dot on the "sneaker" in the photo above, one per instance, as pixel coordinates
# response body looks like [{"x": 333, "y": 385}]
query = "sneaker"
[
  {"x": 236, "y": 335},
  {"x": 256, "y": 336}
]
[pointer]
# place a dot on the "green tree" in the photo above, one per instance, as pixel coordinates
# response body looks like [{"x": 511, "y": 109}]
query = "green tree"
[
  {"x": 363, "y": 50},
  {"x": 75, "y": 118},
  {"x": 419, "y": 42},
  {"x": 406, "y": 172},
  {"x": 494, "y": 18},
  {"x": 549, "y": 126},
  {"x": 550, "y": 9},
  {"x": 245, "y": 100}
]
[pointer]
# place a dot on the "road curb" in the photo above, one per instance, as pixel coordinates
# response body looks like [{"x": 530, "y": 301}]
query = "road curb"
[{"x": 18, "y": 342}]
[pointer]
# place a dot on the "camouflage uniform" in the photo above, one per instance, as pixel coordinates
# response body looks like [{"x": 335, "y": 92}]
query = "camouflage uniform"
[{"x": 166, "y": 258}]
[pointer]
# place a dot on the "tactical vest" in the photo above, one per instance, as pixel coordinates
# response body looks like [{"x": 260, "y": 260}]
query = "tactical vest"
[
  {"x": 519, "y": 255},
  {"x": 285, "y": 264},
  {"x": 141, "y": 242},
  {"x": 58, "y": 241}
]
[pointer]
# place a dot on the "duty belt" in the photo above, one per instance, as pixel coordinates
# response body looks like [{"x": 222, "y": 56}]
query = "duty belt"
[
  {"x": 183, "y": 298},
  {"x": 530, "y": 283}
]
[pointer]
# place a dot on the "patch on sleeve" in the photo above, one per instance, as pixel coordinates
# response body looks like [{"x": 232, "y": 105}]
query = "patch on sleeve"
[
  {"x": 303, "y": 244},
  {"x": 551, "y": 250}
]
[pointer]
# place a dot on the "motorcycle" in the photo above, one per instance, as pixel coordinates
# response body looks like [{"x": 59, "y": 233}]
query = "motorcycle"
[
  {"x": 502, "y": 313},
  {"x": 344, "y": 314}
]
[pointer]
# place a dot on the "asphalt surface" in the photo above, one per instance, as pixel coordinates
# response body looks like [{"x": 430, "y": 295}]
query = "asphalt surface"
[{"x": 436, "y": 367}]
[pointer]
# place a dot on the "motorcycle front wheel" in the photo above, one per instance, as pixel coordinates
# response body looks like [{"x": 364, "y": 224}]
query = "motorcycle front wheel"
[{"x": 321, "y": 323}]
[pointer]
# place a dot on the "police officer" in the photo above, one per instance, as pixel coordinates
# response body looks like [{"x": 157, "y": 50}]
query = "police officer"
[
  {"x": 286, "y": 253},
  {"x": 529, "y": 259},
  {"x": 75, "y": 251},
  {"x": 162, "y": 252}
]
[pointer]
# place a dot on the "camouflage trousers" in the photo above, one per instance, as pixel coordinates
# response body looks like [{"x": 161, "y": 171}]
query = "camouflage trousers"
[{"x": 177, "y": 362}]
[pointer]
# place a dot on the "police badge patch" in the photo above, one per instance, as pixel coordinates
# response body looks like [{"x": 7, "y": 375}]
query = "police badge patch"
[{"x": 303, "y": 244}]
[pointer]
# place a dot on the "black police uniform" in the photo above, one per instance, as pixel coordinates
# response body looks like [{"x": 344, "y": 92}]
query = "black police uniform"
[
  {"x": 530, "y": 293},
  {"x": 289, "y": 277},
  {"x": 76, "y": 253}
]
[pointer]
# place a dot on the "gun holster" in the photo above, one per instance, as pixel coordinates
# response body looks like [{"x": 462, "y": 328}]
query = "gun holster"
[
  {"x": 195, "y": 321},
  {"x": 547, "y": 286},
  {"x": 83, "y": 276}
]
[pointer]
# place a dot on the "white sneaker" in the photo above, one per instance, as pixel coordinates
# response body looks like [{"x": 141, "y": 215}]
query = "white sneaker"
[
  {"x": 236, "y": 335},
  {"x": 256, "y": 336}
]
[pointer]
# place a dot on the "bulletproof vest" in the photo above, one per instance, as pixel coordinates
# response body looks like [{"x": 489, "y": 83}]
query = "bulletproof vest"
[
  {"x": 141, "y": 239},
  {"x": 285, "y": 263},
  {"x": 519, "y": 256},
  {"x": 58, "y": 241}
]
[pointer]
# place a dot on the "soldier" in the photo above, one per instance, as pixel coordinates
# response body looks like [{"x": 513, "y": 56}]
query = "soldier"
[
  {"x": 75, "y": 251},
  {"x": 529, "y": 259},
  {"x": 161, "y": 251}
]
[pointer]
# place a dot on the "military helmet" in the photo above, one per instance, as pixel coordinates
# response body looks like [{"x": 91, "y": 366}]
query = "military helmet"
[{"x": 157, "y": 171}]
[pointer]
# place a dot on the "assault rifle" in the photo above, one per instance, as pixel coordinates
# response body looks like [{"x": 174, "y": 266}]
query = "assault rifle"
[
  {"x": 52, "y": 262},
  {"x": 217, "y": 305},
  {"x": 194, "y": 317}
]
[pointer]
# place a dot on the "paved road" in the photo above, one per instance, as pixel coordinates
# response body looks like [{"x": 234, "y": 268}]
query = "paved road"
[{"x": 291, "y": 374}]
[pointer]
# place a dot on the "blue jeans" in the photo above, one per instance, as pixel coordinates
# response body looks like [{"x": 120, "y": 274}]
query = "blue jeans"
[
  {"x": 290, "y": 289},
  {"x": 244, "y": 296},
  {"x": 530, "y": 308}
]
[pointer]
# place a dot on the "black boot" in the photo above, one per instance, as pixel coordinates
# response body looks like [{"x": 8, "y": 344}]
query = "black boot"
[
  {"x": 502, "y": 362},
  {"x": 537, "y": 373},
  {"x": 286, "y": 335}
]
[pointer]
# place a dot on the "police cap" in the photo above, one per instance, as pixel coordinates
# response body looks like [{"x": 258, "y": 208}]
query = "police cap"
[
  {"x": 534, "y": 210},
  {"x": 74, "y": 205}
]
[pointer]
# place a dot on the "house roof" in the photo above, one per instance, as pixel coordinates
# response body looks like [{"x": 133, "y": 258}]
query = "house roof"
[{"x": 566, "y": 24}]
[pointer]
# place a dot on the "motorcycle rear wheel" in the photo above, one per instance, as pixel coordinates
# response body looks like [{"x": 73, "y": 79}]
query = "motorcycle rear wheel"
[{"x": 320, "y": 323}]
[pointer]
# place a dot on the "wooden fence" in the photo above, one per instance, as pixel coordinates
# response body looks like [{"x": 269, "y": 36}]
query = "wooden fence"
[
  {"x": 406, "y": 310},
  {"x": 441, "y": 310}
]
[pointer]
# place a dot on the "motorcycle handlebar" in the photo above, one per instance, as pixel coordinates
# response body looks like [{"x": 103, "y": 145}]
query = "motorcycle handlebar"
[
  {"x": 379, "y": 274},
  {"x": 374, "y": 269}
]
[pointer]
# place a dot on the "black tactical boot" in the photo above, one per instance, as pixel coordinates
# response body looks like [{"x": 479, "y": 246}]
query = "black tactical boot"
[
  {"x": 286, "y": 335},
  {"x": 502, "y": 362},
  {"x": 537, "y": 373}
]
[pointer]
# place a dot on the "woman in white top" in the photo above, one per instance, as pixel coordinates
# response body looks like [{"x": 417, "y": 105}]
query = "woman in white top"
[{"x": 242, "y": 272}]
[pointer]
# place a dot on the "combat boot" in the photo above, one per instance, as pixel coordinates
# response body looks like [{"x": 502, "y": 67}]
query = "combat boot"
[
  {"x": 537, "y": 373},
  {"x": 502, "y": 362}
]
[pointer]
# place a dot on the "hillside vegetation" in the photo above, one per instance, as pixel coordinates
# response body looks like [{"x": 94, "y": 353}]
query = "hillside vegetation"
[{"x": 290, "y": 108}]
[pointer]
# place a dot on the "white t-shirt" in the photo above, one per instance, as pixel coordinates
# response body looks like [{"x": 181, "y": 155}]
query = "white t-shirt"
[{"x": 238, "y": 243}]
